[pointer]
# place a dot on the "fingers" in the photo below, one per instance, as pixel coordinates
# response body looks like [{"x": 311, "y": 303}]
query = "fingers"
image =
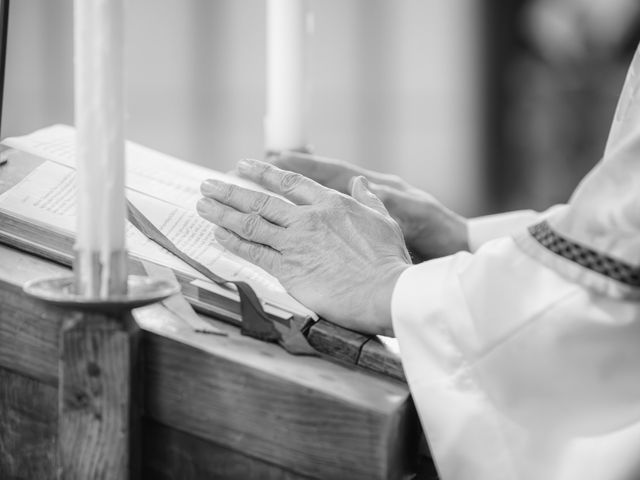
[
  {"x": 329, "y": 172},
  {"x": 249, "y": 226},
  {"x": 263, "y": 256},
  {"x": 248, "y": 201},
  {"x": 361, "y": 192},
  {"x": 383, "y": 192},
  {"x": 294, "y": 186}
]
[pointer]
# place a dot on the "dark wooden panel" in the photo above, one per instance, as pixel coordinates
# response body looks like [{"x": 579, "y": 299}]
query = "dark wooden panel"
[
  {"x": 174, "y": 455},
  {"x": 28, "y": 428},
  {"x": 353, "y": 430},
  {"x": 28, "y": 335}
]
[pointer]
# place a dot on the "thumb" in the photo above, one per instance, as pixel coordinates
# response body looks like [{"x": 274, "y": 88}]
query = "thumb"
[{"x": 360, "y": 191}]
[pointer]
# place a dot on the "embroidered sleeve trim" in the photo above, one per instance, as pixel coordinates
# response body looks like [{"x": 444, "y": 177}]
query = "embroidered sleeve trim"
[{"x": 584, "y": 256}]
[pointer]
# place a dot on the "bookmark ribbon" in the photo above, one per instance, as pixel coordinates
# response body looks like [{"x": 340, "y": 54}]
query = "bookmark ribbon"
[
  {"x": 255, "y": 322},
  {"x": 177, "y": 304}
]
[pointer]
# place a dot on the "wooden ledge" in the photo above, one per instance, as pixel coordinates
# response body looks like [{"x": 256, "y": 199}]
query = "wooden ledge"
[{"x": 313, "y": 417}]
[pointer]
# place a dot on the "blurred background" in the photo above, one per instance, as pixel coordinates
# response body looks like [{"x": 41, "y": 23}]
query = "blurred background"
[{"x": 489, "y": 105}]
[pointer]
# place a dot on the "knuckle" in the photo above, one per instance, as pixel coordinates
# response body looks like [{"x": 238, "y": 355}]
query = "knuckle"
[
  {"x": 260, "y": 203},
  {"x": 289, "y": 181},
  {"x": 261, "y": 171},
  {"x": 228, "y": 192},
  {"x": 254, "y": 252},
  {"x": 221, "y": 215},
  {"x": 250, "y": 226},
  {"x": 275, "y": 263}
]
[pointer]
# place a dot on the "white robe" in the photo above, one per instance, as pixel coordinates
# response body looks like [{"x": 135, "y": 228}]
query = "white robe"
[{"x": 524, "y": 364}]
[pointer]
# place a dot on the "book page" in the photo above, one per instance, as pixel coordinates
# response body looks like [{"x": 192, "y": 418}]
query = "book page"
[
  {"x": 47, "y": 197},
  {"x": 148, "y": 171},
  {"x": 194, "y": 236}
]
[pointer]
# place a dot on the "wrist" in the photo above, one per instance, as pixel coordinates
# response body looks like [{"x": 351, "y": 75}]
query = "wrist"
[{"x": 379, "y": 318}]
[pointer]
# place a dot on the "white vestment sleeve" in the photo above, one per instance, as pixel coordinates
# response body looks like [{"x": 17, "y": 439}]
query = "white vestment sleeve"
[
  {"x": 517, "y": 372},
  {"x": 480, "y": 230}
]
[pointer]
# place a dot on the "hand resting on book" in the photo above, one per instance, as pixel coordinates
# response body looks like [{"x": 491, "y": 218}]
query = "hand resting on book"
[
  {"x": 430, "y": 229},
  {"x": 339, "y": 255}
]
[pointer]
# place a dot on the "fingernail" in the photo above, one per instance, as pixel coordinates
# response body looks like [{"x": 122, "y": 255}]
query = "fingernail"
[
  {"x": 210, "y": 186},
  {"x": 245, "y": 165}
]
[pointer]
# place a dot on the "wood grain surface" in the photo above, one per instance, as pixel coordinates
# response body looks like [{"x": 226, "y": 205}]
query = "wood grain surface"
[
  {"x": 28, "y": 442},
  {"x": 173, "y": 454},
  {"x": 98, "y": 404},
  {"x": 28, "y": 427},
  {"x": 307, "y": 416}
]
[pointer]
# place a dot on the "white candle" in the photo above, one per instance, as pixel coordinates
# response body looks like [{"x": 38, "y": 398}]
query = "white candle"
[
  {"x": 285, "y": 127},
  {"x": 99, "y": 117}
]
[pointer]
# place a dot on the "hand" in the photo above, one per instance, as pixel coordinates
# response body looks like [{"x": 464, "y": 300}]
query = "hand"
[
  {"x": 338, "y": 255},
  {"x": 430, "y": 229}
]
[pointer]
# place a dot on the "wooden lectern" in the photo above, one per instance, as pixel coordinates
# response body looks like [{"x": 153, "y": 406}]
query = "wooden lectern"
[{"x": 212, "y": 407}]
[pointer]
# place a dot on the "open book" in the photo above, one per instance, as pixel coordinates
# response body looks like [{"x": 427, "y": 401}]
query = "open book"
[{"x": 162, "y": 188}]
